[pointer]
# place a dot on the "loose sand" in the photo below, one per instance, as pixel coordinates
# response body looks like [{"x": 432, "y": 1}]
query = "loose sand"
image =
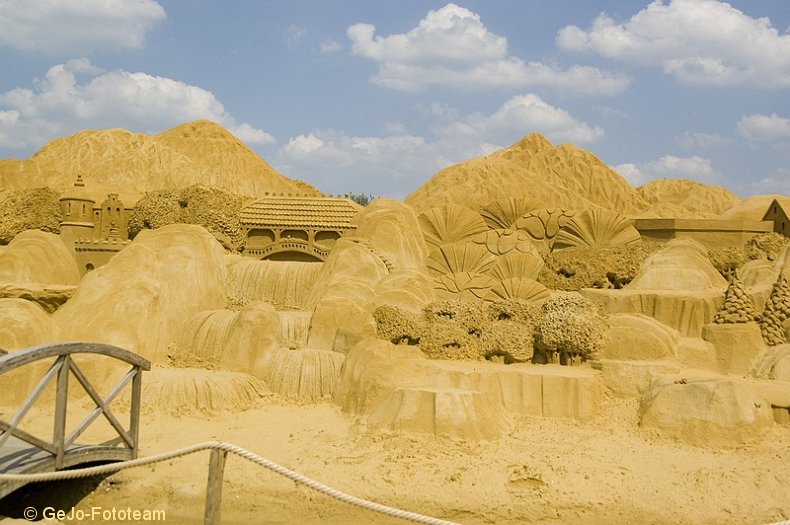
[{"x": 543, "y": 471}]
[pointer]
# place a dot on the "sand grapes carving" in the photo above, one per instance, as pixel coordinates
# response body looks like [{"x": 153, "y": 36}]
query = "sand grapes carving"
[
  {"x": 777, "y": 311},
  {"x": 737, "y": 307}
]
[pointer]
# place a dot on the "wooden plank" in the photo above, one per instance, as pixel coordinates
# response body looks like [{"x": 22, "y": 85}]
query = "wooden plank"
[
  {"x": 134, "y": 411},
  {"x": 29, "y": 355},
  {"x": 101, "y": 404},
  {"x": 31, "y": 399},
  {"x": 216, "y": 469},
  {"x": 28, "y": 438},
  {"x": 61, "y": 403}
]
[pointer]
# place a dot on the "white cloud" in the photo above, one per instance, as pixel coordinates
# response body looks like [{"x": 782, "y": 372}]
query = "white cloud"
[
  {"x": 527, "y": 113},
  {"x": 668, "y": 167},
  {"x": 779, "y": 183},
  {"x": 401, "y": 160},
  {"x": 330, "y": 46},
  {"x": 60, "y": 103},
  {"x": 76, "y": 27},
  {"x": 293, "y": 34},
  {"x": 692, "y": 140},
  {"x": 764, "y": 128},
  {"x": 451, "y": 47},
  {"x": 632, "y": 173},
  {"x": 701, "y": 42}
]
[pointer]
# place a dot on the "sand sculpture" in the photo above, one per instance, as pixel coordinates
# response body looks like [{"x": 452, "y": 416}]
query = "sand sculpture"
[{"x": 507, "y": 291}]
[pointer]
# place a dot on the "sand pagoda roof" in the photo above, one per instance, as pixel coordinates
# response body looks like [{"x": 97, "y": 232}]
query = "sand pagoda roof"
[{"x": 328, "y": 213}]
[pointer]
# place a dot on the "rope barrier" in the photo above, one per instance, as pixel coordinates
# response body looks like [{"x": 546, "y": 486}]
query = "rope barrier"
[{"x": 241, "y": 452}]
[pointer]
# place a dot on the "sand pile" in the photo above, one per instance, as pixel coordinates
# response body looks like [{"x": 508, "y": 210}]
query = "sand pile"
[
  {"x": 142, "y": 299},
  {"x": 674, "y": 198},
  {"x": 119, "y": 161},
  {"x": 564, "y": 176}
]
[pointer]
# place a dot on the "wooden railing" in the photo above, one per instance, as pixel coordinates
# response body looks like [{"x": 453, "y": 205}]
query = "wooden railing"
[{"x": 61, "y": 369}]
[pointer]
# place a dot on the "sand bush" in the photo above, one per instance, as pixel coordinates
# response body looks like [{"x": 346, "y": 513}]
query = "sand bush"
[
  {"x": 444, "y": 339},
  {"x": 514, "y": 341},
  {"x": 572, "y": 269},
  {"x": 515, "y": 310},
  {"x": 397, "y": 326},
  {"x": 214, "y": 209},
  {"x": 471, "y": 316},
  {"x": 765, "y": 245},
  {"x": 29, "y": 209},
  {"x": 727, "y": 260},
  {"x": 571, "y": 330}
]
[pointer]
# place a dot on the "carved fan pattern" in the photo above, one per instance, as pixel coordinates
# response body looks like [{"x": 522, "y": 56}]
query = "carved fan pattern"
[
  {"x": 521, "y": 288},
  {"x": 596, "y": 229},
  {"x": 449, "y": 224},
  {"x": 503, "y": 213}
]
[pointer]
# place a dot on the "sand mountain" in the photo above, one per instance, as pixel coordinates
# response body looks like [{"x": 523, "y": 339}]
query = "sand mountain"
[
  {"x": 564, "y": 176},
  {"x": 685, "y": 198},
  {"x": 119, "y": 161}
]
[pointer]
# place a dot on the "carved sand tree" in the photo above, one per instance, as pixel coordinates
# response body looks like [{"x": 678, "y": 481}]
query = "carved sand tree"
[
  {"x": 503, "y": 213},
  {"x": 450, "y": 224},
  {"x": 543, "y": 225},
  {"x": 737, "y": 307},
  {"x": 596, "y": 229},
  {"x": 777, "y": 311},
  {"x": 458, "y": 270},
  {"x": 571, "y": 330}
]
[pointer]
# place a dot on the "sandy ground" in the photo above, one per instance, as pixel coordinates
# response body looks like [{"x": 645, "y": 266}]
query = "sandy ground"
[{"x": 544, "y": 471}]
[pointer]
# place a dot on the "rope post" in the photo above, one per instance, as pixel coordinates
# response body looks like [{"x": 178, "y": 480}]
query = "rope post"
[{"x": 216, "y": 469}]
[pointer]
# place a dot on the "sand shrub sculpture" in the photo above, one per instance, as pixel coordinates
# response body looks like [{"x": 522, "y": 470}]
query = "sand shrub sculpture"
[
  {"x": 572, "y": 269},
  {"x": 29, "y": 209},
  {"x": 470, "y": 330},
  {"x": 777, "y": 311},
  {"x": 766, "y": 245},
  {"x": 737, "y": 307},
  {"x": 727, "y": 260},
  {"x": 571, "y": 329},
  {"x": 214, "y": 209}
]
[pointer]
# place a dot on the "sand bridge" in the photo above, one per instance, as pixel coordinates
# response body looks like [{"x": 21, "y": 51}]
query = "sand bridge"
[
  {"x": 288, "y": 228},
  {"x": 22, "y": 452}
]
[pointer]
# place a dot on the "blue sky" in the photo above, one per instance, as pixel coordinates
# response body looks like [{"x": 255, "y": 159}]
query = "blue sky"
[{"x": 375, "y": 97}]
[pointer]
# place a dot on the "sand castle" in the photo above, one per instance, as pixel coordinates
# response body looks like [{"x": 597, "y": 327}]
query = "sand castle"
[{"x": 528, "y": 285}]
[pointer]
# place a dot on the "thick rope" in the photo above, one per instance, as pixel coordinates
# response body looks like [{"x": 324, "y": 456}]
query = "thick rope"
[{"x": 241, "y": 452}]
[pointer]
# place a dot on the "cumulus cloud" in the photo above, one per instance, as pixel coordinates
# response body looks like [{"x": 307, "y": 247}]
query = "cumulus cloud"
[
  {"x": 293, "y": 34},
  {"x": 76, "y": 27},
  {"x": 401, "y": 160},
  {"x": 764, "y": 128},
  {"x": 330, "y": 46},
  {"x": 451, "y": 47},
  {"x": 694, "y": 140},
  {"x": 700, "y": 42},
  {"x": 779, "y": 183},
  {"x": 530, "y": 112},
  {"x": 668, "y": 167},
  {"x": 62, "y": 103}
]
